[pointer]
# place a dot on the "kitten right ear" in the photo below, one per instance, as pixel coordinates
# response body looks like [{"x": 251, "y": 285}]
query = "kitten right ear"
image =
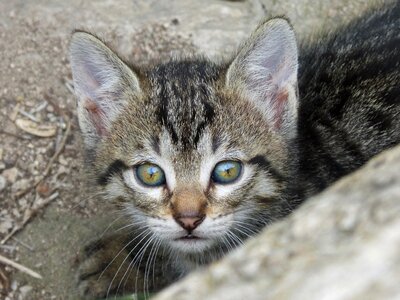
[
  {"x": 101, "y": 82},
  {"x": 265, "y": 72}
]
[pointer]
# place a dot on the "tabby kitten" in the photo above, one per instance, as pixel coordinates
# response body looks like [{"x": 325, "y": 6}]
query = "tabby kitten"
[{"x": 200, "y": 155}]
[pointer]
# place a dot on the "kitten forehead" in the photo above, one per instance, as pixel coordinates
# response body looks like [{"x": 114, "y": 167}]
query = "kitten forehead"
[{"x": 184, "y": 94}]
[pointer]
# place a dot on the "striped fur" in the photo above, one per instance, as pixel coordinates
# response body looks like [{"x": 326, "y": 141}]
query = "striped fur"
[{"x": 297, "y": 119}]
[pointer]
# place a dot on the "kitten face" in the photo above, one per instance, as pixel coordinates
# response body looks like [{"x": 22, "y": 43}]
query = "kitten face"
[
  {"x": 190, "y": 150},
  {"x": 228, "y": 209}
]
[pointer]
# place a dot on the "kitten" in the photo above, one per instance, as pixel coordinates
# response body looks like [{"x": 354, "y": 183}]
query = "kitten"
[{"x": 201, "y": 155}]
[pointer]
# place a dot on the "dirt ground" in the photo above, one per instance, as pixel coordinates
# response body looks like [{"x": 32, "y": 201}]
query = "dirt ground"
[{"x": 42, "y": 190}]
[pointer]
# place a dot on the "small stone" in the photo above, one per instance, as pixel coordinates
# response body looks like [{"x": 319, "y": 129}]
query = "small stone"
[
  {"x": 6, "y": 225},
  {"x": 62, "y": 160},
  {"x": 11, "y": 174},
  {"x": 15, "y": 212},
  {"x": 14, "y": 285},
  {"x": 24, "y": 291},
  {"x": 22, "y": 202},
  {"x": 62, "y": 170},
  {"x": 50, "y": 108},
  {"x": 3, "y": 183},
  {"x": 20, "y": 185}
]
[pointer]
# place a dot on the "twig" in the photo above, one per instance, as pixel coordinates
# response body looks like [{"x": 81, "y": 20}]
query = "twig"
[
  {"x": 8, "y": 248},
  {"x": 19, "y": 267},
  {"x": 28, "y": 216},
  {"x": 4, "y": 282},
  {"x": 23, "y": 243},
  {"x": 49, "y": 164},
  {"x": 28, "y": 115},
  {"x": 40, "y": 107}
]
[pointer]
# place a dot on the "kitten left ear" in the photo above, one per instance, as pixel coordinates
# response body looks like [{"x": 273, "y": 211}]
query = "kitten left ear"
[
  {"x": 102, "y": 83},
  {"x": 265, "y": 72}
]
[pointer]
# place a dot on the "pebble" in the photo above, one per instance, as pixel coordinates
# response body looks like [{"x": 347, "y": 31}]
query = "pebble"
[
  {"x": 20, "y": 185},
  {"x": 3, "y": 183},
  {"x": 5, "y": 225},
  {"x": 24, "y": 291},
  {"x": 11, "y": 174},
  {"x": 62, "y": 160},
  {"x": 14, "y": 285}
]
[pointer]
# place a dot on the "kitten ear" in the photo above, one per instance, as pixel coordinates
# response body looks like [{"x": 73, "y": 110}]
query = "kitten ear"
[
  {"x": 265, "y": 72},
  {"x": 101, "y": 82}
]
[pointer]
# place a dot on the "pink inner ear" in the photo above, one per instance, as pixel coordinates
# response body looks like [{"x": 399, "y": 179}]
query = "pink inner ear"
[
  {"x": 279, "y": 102},
  {"x": 96, "y": 116}
]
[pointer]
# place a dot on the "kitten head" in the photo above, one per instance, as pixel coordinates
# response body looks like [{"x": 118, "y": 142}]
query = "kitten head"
[{"x": 195, "y": 153}]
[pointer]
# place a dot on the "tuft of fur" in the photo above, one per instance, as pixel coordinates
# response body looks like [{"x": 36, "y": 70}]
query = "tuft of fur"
[{"x": 296, "y": 119}]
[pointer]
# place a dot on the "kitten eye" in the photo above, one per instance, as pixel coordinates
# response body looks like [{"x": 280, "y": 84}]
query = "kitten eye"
[
  {"x": 226, "y": 171},
  {"x": 150, "y": 175}
]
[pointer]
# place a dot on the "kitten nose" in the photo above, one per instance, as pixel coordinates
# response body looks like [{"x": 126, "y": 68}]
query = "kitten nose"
[{"x": 190, "y": 222}]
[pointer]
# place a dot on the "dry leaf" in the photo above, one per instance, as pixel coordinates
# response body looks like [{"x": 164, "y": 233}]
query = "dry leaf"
[{"x": 42, "y": 130}]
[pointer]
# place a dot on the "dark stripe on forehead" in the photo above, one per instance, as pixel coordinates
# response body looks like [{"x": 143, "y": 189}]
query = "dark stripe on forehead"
[
  {"x": 184, "y": 91},
  {"x": 264, "y": 164},
  {"x": 208, "y": 118},
  {"x": 116, "y": 167}
]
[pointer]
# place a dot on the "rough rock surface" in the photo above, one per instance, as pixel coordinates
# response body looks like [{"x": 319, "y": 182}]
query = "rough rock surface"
[{"x": 341, "y": 244}]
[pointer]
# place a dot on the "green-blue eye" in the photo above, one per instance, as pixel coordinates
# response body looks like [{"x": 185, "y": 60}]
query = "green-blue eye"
[
  {"x": 226, "y": 171},
  {"x": 150, "y": 175}
]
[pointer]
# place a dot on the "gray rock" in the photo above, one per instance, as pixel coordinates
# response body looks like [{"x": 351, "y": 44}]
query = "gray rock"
[
  {"x": 24, "y": 292},
  {"x": 341, "y": 244},
  {"x": 10, "y": 174}
]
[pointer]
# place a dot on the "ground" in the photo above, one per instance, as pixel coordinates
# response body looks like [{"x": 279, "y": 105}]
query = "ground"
[{"x": 59, "y": 213}]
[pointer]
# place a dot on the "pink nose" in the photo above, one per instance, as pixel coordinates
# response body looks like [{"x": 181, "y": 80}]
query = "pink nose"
[{"x": 189, "y": 222}]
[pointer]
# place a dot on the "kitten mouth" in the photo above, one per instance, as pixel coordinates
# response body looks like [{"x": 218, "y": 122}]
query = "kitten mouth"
[
  {"x": 189, "y": 237},
  {"x": 191, "y": 244}
]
